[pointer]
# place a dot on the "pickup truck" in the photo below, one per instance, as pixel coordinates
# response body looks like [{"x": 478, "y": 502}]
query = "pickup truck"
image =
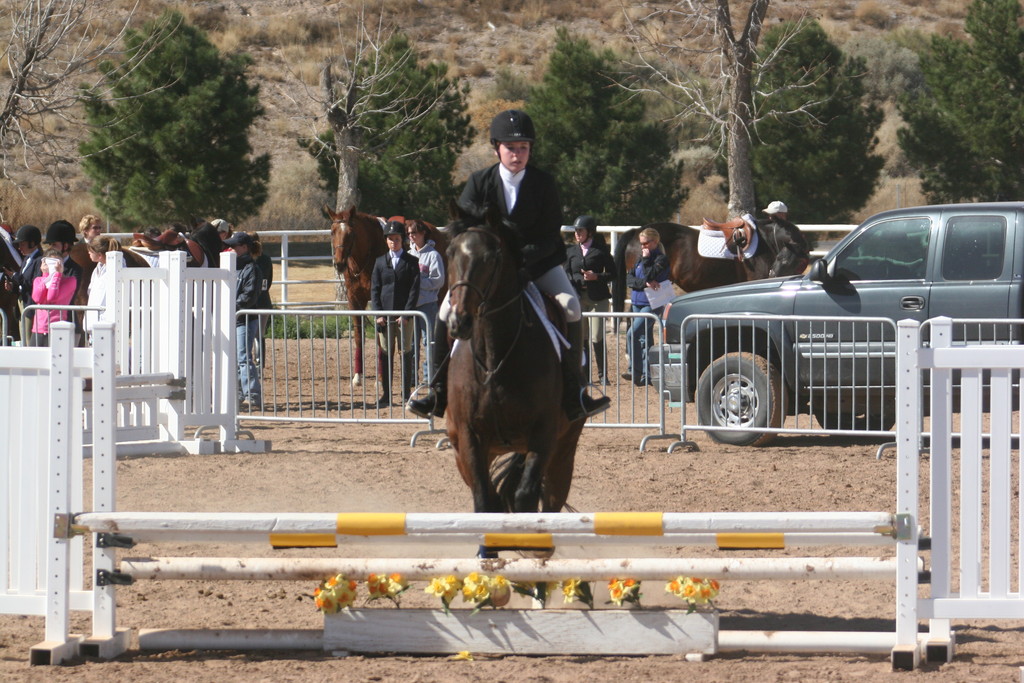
[{"x": 959, "y": 260}]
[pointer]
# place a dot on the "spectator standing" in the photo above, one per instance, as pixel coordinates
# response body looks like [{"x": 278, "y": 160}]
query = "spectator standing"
[
  {"x": 51, "y": 288},
  {"x": 650, "y": 272},
  {"x": 90, "y": 226},
  {"x": 250, "y": 392},
  {"x": 590, "y": 268},
  {"x": 98, "y": 248},
  {"x": 395, "y": 286},
  {"x": 432, "y": 277},
  {"x": 27, "y": 240},
  {"x": 266, "y": 265}
]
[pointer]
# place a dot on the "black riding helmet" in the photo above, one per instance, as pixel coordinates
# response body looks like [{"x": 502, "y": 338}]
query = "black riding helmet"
[
  {"x": 588, "y": 223},
  {"x": 28, "y": 233},
  {"x": 61, "y": 231},
  {"x": 512, "y": 125}
]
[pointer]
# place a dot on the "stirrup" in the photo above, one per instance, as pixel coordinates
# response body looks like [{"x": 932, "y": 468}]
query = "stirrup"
[
  {"x": 427, "y": 407},
  {"x": 594, "y": 406}
]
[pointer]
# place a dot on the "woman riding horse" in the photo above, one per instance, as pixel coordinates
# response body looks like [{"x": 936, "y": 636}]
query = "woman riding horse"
[{"x": 528, "y": 201}]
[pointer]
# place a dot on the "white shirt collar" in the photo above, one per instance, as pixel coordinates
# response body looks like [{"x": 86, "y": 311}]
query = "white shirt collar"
[{"x": 510, "y": 183}]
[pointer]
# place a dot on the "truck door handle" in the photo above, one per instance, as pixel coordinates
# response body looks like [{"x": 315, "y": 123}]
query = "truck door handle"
[{"x": 912, "y": 303}]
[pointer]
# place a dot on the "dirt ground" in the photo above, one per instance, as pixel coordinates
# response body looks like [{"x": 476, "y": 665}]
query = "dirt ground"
[{"x": 318, "y": 467}]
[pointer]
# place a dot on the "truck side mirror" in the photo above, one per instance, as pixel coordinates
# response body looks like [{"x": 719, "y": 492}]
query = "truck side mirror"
[{"x": 819, "y": 272}]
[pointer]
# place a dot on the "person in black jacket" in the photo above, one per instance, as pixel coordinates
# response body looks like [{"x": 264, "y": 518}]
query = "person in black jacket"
[
  {"x": 590, "y": 268},
  {"x": 395, "y": 286},
  {"x": 27, "y": 240},
  {"x": 250, "y": 283},
  {"x": 527, "y": 198}
]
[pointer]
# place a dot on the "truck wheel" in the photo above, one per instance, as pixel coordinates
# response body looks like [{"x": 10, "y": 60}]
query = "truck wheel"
[{"x": 740, "y": 390}]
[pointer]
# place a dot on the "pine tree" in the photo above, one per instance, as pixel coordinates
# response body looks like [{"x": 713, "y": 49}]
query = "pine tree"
[
  {"x": 965, "y": 131},
  {"x": 592, "y": 135},
  {"x": 172, "y": 140},
  {"x": 819, "y": 158}
]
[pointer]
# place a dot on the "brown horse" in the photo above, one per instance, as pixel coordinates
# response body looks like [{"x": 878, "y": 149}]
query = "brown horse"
[
  {"x": 198, "y": 254},
  {"x": 356, "y": 241},
  {"x": 505, "y": 380},
  {"x": 782, "y": 250}
]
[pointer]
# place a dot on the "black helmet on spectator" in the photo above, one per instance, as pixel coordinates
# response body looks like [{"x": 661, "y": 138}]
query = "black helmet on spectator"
[
  {"x": 512, "y": 125},
  {"x": 61, "y": 231},
  {"x": 28, "y": 233},
  {"x": 588, "y": 223}
]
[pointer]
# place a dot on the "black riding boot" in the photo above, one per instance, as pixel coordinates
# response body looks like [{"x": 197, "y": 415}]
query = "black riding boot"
[
  {"x": 436, "y": 400},
  {"x": 408, "y": 373},
  {"x": 575, "y": 400}
]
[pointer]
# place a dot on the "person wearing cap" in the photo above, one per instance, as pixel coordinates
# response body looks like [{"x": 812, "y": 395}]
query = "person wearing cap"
[
  {"x": 527, "y": 198},
  {"x": 777, "y": 209},
  {"x": 778, "y": 213},
  {"x": 27, "y": 240},
  {"x": 590, "y": 268},
  {"x": 395, "y": 286},
  {"x": 247, "y": 328},
  {"x": 61, "y": 236},
  {"x": 223, "y": 227}
]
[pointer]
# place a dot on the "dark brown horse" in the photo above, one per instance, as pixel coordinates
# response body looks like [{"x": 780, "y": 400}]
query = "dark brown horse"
[
  {"x": 505, "y": 382},
  {"x": 781, "y": 250},
  {"x": 356, "y": 241},
  {"x": 199, "y": 255}
]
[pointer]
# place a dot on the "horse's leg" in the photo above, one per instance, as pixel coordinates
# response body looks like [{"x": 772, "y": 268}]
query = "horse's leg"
[
  {"x": 558, "y": 476},
  {"x": 528, "y": 493},
  {"x": 357, "y": 359}
]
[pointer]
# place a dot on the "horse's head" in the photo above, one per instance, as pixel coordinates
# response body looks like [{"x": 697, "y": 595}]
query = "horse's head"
[
  {"x": 792, "y": 253},
  {"x": 341, "y": 236},
  {"x": 481, "y": 259},
  {"x": 356, "y": 240}
]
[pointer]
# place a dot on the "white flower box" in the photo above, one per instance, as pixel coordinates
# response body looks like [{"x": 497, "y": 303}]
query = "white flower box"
[{"x": 527, "y": 632}]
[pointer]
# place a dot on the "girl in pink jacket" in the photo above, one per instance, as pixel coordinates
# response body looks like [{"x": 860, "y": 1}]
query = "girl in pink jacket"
[{"x": 52, "y": 288}]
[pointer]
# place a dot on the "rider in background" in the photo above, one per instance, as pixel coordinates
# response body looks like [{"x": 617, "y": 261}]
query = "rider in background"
[{"x": 528, "y": 200}]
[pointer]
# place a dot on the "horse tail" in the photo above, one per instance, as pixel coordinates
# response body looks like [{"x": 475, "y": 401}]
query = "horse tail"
[
  {"x": 619, "y": 281},
  {"x": 506, "y": 473}
]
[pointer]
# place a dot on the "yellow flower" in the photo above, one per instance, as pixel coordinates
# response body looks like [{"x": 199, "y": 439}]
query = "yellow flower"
[
  {"x": 334, "y": 594},
  {"x": 463, "y": 656},
  {"x": 624, "y": 590}
]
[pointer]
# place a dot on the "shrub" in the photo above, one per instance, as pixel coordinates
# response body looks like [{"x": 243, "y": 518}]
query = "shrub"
[
  {"x": 872, "y": 13},
  {"x": 892, "y": 70}
]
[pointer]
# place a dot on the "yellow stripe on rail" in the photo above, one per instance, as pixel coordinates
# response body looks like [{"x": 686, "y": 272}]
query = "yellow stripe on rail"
[
  {"x": 751, "y": 541},
  {"x": 303, "y": 541},
  {"x": 518, "y": 541},
  {"x": 629, "y": 523},
  {"x": 371, "y": 524}
]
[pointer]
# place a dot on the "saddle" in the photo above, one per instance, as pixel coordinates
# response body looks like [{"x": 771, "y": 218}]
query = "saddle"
[
  {"x": 172, "y": 240},
  {"x": 738, "y": 233}
]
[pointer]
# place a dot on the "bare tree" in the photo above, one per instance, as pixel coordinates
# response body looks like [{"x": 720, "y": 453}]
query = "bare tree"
[
  {"x": 360, "y": 84},
  {"x": 710, "y": 72},
  {"x": 51, "y": 49}
]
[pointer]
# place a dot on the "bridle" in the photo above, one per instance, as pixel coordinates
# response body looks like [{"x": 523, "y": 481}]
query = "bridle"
[{"x": 485, "y": 309}]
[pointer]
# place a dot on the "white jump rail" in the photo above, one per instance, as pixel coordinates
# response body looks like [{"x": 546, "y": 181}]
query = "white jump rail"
[{"x": 356, "y": 630}]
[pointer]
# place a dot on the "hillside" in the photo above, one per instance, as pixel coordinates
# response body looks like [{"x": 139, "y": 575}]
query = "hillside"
[{"x": 288, "y": 39}]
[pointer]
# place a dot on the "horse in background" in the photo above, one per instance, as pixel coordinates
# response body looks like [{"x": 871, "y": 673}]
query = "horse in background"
[
  {"x": 505, "y": 379},
  {"x": 199, "y": 252},
  {"x": 781, "y": 250},
  {"x": 357, "y": 239}
]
